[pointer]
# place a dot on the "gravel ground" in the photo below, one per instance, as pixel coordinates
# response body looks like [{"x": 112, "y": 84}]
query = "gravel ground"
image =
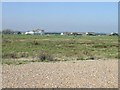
[{"x": 68, "y": 74}]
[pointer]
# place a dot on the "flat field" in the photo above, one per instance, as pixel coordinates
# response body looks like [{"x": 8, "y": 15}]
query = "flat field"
[
  {"x": 77, "y": 61},
  {"x": 59, "y": 48}
]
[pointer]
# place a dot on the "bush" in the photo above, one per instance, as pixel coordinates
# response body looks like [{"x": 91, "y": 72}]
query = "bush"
[
  {"x": 43, "y": 56},
  {"x": 6, "y": 41},
  {"x": 9, "y": 55},
  {"x": 35, "y": 43},
  {"x": 23, "y": 55}
]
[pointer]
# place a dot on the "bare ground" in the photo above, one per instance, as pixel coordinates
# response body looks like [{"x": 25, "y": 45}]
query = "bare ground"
[{"x": 68, "y": 74}]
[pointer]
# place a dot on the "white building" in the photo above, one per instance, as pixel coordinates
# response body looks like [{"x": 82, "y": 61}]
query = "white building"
[
  {"x": 90, "y": 33},
  {"x": 62, "y": 34},
  {"x": 114, "y": 33},
  {"x": 39, "y": 32},
  {"x": 29, "y": 33},
  {"x": 35, "y": 32}
]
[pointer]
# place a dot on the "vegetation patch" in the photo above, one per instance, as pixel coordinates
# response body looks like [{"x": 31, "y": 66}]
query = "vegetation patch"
[
  {"x": 44, "y": 56},
  {"x": 49, "y": 48},
  {"x": 9, "y": 55}
]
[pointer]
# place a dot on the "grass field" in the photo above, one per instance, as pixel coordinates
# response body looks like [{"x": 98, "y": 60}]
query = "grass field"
[{"x": 56, "y": 47}]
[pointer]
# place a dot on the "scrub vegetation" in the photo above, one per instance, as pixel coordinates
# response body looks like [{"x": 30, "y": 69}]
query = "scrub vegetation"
[{"x": 59, "y": 48}]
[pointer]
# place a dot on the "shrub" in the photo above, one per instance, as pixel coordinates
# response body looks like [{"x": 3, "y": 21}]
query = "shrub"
[
  {"x": 6, "y": 41},
  {"x": 35, "y": 43},
  {"x": 9, "y": 55},
  {"x": 43, "y": 56},
  {"x": 24, "y": 54},
  {"x": 81, "y": 58}
]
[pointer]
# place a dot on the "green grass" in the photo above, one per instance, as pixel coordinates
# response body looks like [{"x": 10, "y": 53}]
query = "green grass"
[{"x": 60, "y": 47}]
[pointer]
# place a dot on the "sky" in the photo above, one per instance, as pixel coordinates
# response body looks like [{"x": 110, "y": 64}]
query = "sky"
[{"x": 61, "y": 16}]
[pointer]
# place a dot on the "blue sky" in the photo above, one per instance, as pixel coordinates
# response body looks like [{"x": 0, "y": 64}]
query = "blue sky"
[{"x": 61, "y": 16}]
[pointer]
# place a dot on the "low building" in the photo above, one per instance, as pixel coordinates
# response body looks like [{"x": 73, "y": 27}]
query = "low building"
[
  {"x": 90, "y": 33},
  {"x": 35, "y": 32},
  {"x": 114, "y": 34},
  {"x": 52, "y": 33},
  {"x": 72, "y": 33},
  {"x": 38, "y": 32},
  {"x": 100, "y": 34},
  {"x": 62, "y": 33},
  {"x": 29, "y": 33}
]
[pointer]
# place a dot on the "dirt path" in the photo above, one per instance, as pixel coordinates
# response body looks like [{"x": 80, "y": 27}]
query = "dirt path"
[{"x": 69, "y": 74}]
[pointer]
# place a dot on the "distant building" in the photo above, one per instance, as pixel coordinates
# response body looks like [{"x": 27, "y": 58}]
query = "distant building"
[
  {"x": 67, "y": 33},
  {"x": 77, "y": 33},
  {"x": 72, "y": 33},
  {"x": 35, "y": 32},
  {"x": 62, "y": 34},
  {"x": 100, "y": 34},
  {"x": 29, "y": 33},
  {"x": 90, "y": 33},
  {"x": 52, "y": 33},
  {"x": 114, "y": 34},
  {"x": 38, "y": 32}
]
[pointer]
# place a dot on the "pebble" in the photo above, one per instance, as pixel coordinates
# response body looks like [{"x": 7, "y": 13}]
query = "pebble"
[{"x": 87, "y": 74}]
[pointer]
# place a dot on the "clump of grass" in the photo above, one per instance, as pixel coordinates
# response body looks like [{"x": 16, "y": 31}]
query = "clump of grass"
[
  {"x": 23, "y": 55},
  {"x": 86, "y": 58},
  {"x": 44, "y": 56},
  {"x": 6, "y": 41},
  {"x": 9, "y": 55},
  {"x": 85, "y": 55},
  {"x": 14, "y": 55},
  {"x": 35, "y": 43},
  {"x": 81, "y": 58}
]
